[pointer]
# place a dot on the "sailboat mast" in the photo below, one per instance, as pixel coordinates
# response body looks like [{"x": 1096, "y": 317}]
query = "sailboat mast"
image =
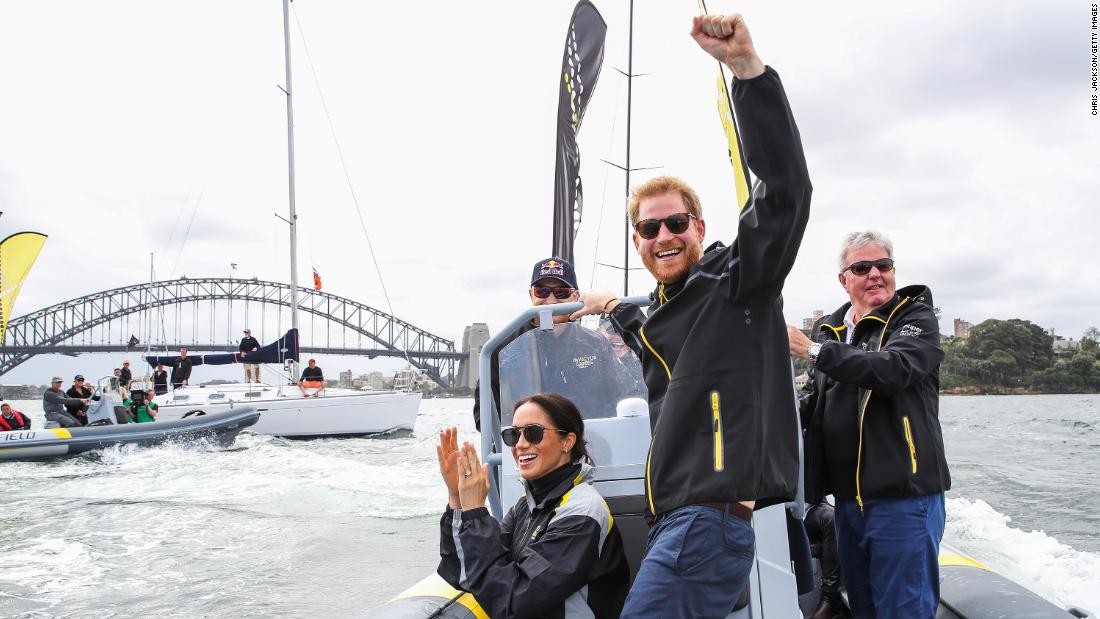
[
  {"x": 148, "y": 308},
  {"x": 290, "y": 166},
  {"x": 629, "y": 83}
]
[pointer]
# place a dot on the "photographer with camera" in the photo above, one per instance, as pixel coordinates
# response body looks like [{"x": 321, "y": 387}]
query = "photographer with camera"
[{"x": 141, "y": 406}]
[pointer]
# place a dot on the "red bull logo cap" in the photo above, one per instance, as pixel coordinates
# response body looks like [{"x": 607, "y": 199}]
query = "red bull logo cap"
[{"x": 556, "y": 268}]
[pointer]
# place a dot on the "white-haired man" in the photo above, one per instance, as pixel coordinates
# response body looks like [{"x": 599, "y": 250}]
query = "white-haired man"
[{"x": 873, "y": 439}]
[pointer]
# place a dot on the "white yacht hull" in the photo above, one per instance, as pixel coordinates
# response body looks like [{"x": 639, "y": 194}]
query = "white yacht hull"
[{"x": 284, "y": 412}]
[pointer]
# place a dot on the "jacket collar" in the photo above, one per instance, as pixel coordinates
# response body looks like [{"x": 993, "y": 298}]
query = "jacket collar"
[
  {"x": 664, "y": 293},
  {"x": 583, "y": 474},
  {"x": 833, "y": 326}
]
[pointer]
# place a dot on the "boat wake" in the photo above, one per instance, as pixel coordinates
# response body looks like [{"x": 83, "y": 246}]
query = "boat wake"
[{"x": 1034, "y": 559}]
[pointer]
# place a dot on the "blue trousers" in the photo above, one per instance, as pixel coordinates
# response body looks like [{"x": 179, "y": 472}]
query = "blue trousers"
[
  {"x": 697, "y": 562},
  {"x": 889, "y": 555}
]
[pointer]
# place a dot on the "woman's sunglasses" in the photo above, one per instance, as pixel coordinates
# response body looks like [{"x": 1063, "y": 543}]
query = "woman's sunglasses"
[
  {"x": 559, "y": 292},
  {"x": 533, "y": 432},
  {"x": 676, "y": 224},
  {"x": 863, "y": 267}
]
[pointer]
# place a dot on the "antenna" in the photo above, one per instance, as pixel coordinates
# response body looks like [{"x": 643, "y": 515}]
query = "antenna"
[{"x": 630, "y": 75}]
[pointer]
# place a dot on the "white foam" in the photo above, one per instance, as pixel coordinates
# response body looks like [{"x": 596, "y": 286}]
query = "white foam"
[{"x": 1034, "y": 559}]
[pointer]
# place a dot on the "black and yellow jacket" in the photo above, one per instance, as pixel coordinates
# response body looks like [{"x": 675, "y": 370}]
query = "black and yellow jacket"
[
  {"x": 873, "y": 405},
  {"x": 558, "y": 556},
  {"x": 714, "y": 345}
]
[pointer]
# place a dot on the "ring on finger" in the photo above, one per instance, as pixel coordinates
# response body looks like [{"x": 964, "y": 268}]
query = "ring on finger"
[{"x": 467, "y": 473}]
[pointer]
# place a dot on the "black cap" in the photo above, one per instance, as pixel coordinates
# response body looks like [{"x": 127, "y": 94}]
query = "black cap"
[
  {"x": 78, "y": 377},
  {"x": 555, "y": 268}
]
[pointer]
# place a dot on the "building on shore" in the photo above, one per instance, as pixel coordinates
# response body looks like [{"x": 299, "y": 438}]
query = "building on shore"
[
  {"x": 962, "y": 328},
  {"x": 808, "y": 323},
  {"x": 474, "y": 338},
  {"x": 1063, "y": 346}
]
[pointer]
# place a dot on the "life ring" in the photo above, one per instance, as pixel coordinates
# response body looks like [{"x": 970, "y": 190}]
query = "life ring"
[{"x": 195, "y": 413}]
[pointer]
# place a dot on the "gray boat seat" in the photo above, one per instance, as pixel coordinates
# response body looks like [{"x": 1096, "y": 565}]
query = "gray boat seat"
[{"x": 629, "y": 514}]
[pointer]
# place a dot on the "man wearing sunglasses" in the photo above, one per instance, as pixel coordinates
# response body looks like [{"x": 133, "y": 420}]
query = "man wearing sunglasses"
[
  {"x": 873, "y": 439},
  {"x": 578, "y": 360},
  {"x": 714, "y": 351}
]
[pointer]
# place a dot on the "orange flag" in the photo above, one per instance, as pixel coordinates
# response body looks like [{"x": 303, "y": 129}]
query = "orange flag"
[{"x": 316, "y": 280}]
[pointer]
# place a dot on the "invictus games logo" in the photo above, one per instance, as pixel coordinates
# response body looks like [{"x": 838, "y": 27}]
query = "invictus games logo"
[
  {"x": 584, "y": 362},
  {"x": 910, "y": 330}
]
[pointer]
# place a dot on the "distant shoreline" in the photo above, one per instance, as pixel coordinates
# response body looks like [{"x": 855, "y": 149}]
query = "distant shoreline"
[{"x": 997, "y": 390}]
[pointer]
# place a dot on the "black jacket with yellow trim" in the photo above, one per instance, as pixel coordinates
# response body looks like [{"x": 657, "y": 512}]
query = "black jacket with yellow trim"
[
  {"x": 873, "y": 405},
  {"x": 714, "y": 346},
  {"x": 560, "y": 557}
]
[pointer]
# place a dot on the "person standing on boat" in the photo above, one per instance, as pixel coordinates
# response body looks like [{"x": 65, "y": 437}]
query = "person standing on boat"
[
  {"x": 312, "y": 378},
  {"x": 125, "y": 377},
  {"x": 160, "y": 380},
  {"x": 250, "y": 344},
  {"x": 11, "y": 419},
  {"x": 181, "y": 370},
  {"x": 874, "y": 439},
  {"x": 557, "y": 552},
  {"x": 54, "y": 402},
  {"x": 714, "y": 351}
]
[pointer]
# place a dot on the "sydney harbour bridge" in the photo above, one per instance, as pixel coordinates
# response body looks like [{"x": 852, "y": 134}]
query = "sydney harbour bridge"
[{"x": 208, "y": 315}]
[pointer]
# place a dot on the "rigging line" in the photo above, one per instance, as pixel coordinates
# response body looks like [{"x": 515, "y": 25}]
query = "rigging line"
[
  {"x": 186, "y": 235},
  {"x": 603, "y": 190},
  {"x": 175, "y": 224},
  {"x": 347, "y": 175}
]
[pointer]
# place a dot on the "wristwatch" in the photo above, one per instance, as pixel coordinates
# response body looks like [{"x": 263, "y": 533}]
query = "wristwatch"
[{"x": 814, "y": 351}]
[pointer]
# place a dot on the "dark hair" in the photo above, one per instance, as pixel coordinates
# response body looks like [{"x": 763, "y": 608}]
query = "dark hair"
[{"x": 565, "y": 416}]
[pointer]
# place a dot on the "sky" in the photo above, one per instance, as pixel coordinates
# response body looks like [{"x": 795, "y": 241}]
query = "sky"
[{"x": 963, "y": 131}]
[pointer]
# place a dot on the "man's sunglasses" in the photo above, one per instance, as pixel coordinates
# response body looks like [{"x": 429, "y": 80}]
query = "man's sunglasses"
[
  {"x": 559, "y": 292},
  {"x": 676, "y": 224},
  {"x": 863, "y": 267},
  {"x": 533, "y": 432}
]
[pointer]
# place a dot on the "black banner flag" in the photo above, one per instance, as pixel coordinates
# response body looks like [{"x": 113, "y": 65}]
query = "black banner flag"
[{"x": 580, "y": 68}]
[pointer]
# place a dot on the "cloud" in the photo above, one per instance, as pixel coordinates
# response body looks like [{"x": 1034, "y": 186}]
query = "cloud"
[{"x": 960, "y": 130}]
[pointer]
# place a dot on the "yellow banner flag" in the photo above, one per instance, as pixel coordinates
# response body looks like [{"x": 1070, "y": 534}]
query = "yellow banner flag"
[
  {"x": 729, "y": 126},
  {"x": 17, "y": 254}
]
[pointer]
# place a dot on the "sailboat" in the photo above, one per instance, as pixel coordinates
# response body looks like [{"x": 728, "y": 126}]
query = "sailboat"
[{"x": 286, "y": 411}]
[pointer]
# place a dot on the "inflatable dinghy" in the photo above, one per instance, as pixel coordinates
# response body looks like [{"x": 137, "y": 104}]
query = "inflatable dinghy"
[
  {"x": 618, "y": 434},
  {"x": 107, "y": 431}
]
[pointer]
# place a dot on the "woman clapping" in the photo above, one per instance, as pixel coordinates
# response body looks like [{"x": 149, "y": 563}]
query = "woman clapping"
[{"x": 557, "y": 552}]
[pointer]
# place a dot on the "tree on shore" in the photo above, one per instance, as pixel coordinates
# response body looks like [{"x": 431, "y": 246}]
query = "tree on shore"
[{"x": 1015, "y": 353}]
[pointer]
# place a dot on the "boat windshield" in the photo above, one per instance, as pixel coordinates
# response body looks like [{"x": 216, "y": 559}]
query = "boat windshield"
[{"x": 593, "y": 368}]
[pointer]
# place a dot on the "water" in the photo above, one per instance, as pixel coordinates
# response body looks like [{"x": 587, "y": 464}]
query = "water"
[
  {"x": 333, "y": 527},
  {"x": 1025, "y": 498}
]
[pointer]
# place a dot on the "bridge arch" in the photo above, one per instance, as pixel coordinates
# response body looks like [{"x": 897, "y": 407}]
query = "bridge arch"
[{"x": 44, "y": 330}]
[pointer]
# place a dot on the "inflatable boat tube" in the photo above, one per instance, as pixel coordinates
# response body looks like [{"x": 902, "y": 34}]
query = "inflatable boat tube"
[
  {"x": 970, "y": 590},
  {"x": 431, "y": 598},
  {"x": 52, "y": 443}
]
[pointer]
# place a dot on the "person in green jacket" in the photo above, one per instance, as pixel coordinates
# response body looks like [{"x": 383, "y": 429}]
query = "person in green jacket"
[{"x": 143, "y": 412}]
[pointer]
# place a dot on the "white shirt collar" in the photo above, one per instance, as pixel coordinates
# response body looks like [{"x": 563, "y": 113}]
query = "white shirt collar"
[{"x": 849, "y": 324}]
